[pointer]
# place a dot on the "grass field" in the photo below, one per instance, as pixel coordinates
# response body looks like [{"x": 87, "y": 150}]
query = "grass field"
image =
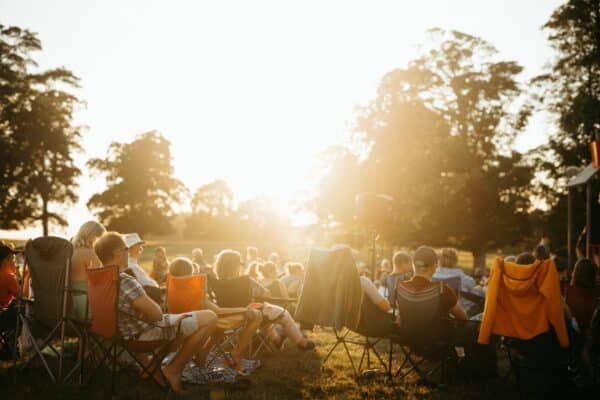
[{"x": 290, "y": 374}]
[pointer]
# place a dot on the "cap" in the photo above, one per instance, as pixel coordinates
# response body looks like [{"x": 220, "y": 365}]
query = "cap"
[
  {"x": 424, "y": 256},
  {"x": 131, "y": 239}
]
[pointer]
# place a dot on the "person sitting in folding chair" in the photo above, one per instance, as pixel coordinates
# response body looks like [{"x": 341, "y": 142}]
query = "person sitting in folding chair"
[
  {"x": 424, "y": 308},
  {"x": 228, "y": 317},
  {"x": 229, "y": 264},
  {"x": 135, "y": 247},
  {"x": 138, "y": 313}
]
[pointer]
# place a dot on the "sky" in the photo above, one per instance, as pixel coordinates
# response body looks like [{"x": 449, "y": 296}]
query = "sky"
[{"x": 251, "y": 91}]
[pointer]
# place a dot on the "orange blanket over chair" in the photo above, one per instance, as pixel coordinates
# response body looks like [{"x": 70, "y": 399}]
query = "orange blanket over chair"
[{"x": 523, "y": 301}]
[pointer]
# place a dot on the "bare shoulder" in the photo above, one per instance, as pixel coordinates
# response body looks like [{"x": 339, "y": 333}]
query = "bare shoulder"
[{"x": 83, "y": 255}]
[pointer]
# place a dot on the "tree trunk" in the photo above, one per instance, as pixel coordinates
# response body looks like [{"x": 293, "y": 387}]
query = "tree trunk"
[
  {"x": 45, "y": 216},
  {"x": 478, "y": 260}
]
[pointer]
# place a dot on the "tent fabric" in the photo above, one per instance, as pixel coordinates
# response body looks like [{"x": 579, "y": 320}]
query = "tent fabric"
[
  {"x": 102, "y": 296},
  {"x": 332, "y": 294},
  {"x": 47, "y": 259},
  {"x": 185, "y": 293}
]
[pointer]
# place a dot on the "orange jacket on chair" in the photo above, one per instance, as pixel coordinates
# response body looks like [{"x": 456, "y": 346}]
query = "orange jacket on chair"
[{"x": 523, "y": 301}]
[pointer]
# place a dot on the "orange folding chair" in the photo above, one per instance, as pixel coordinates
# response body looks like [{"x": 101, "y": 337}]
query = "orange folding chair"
[
  {"x": 185, "y": 294},
  {"x": 103, "y": 296}
]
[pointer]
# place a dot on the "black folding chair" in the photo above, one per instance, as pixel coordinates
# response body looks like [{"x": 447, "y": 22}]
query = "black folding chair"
[
  {"x": 361, "y": 322},
  {"x": 45, "y": 318},
  {"x": 423, "y": 339},
  {"x": 232, "y": 293}
]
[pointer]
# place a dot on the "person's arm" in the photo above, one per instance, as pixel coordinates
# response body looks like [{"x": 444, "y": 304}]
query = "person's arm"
[
  {"x": 209, "y": 305},
  {"x": 148, "y": 308},
  {"x": 458, "y": 312},
  {"x": 9, "y": 281},
  {"x": 371, "y": 291}
]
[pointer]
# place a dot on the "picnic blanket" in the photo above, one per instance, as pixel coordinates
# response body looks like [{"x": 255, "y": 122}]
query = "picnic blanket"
[{"x": 217, "y": 372}]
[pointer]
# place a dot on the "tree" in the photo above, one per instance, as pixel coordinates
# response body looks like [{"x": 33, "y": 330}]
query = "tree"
[
  {"x": 37, "y": 137},
  {"x": 214, "y": 198},
  {"x": 212, "y": 216},
  {"x": 263, "y": 220},
  {"x": 141, "y": 189},
  {"x": 438, "y": 138},
  {"x": 570, "y": 91}
]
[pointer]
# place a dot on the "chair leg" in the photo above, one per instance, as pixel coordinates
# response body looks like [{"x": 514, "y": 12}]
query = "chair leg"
[{"x": 114, "y": 368}]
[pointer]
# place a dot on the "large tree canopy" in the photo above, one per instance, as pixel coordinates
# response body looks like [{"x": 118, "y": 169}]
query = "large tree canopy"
[
  {"x": 438, "y": 138},
  {"x": 141, "y": 190},
  {"x": 37, "y": 137}
]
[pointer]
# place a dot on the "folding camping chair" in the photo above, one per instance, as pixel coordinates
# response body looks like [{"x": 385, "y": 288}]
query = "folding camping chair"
[
  {"x": 332, "y": 296},
  {"x": 423, "y": 337},
  {"x": 103, "y": 297},
  {"x": 186, "y": 293},
  {"x": 46, "y": 316},
  {"x": 237, "y": 292}
]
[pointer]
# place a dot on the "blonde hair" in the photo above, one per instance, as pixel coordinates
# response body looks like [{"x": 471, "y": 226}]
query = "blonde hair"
[
  {"x": 228, "y": 264},
  {"x": 87, "y": 234}
]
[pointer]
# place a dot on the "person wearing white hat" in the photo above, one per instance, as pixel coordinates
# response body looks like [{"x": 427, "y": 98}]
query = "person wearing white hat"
[{"x": 135, "y": 247}]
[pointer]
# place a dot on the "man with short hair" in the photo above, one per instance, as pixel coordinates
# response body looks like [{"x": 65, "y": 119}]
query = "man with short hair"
[
  {"x": 141, "y": 319},
  {"x": 424, "y": 266}
]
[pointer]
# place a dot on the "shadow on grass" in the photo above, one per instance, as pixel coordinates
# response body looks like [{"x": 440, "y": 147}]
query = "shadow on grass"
[{"x": 290, "y": 374}]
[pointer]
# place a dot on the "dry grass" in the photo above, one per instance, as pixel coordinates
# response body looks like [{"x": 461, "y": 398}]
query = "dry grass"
[{"x": 291, "y": 374}]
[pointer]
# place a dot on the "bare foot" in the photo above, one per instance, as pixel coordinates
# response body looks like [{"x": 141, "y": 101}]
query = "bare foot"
[{"x": 173, "y": 378}]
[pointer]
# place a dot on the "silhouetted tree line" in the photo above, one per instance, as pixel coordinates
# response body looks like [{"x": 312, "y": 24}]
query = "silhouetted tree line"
[{"x": 438, "y": 136}]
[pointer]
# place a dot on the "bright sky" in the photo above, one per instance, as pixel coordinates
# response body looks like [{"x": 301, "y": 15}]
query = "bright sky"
[{"x": 251, "y": 91}]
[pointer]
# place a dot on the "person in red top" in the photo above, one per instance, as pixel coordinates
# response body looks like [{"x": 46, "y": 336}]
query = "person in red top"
[
  {"x": 9, "y": 287},
  {"x": 582, "y": 295}
]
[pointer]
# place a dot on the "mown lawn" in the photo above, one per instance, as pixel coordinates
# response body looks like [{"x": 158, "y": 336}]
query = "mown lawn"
[{"x": 290, "y": 374}]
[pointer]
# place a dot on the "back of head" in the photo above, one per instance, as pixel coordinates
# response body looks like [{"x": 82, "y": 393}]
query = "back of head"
[
  {"x": 402, "y": 261},
  {"x": 541, "y": 252},
  {"x": 268, "y": 270},
  {"x": 106, "y": 246},
  {"x": 87, "y": 234},
  {"x": 584, "y": 274},
  {"x": 424, "y": 259},
  {"x": 448, "y": 257},
  {"x": 511, "y": 259},
  {"x": 525, "y": 259},
  {"x": 181, "y": 266},
  {"x": 228, "y": 264},
  {"x": 252, "y": 253},
  {"x": 198, "y": 254},
  {"x": 274, "y": 258},
  {"x": 294, "y": 268}
]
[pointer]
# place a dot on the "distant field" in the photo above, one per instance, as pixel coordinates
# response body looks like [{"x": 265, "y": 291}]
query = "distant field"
[{"x": 211, "y": 248}]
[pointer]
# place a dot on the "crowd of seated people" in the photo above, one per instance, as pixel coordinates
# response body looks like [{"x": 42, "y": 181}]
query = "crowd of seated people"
[{"x": 422, "y": 274}]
